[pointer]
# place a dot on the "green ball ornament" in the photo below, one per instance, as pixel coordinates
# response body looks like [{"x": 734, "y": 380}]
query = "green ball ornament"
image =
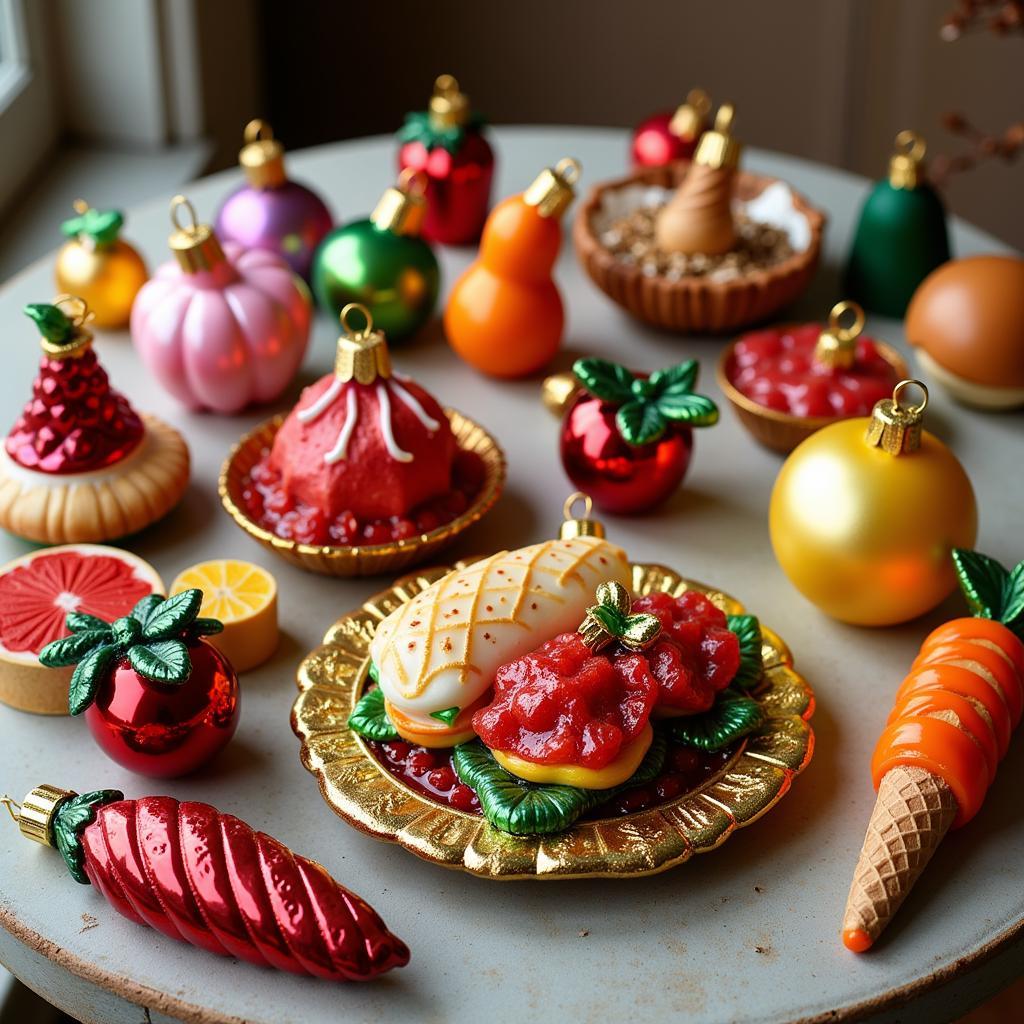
[
  {"x": 382, "y": 263},
  {"x": 901, "y": 236}
]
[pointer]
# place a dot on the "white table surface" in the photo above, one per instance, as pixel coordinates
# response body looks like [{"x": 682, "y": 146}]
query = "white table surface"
[{"x": 747, "y": 933}]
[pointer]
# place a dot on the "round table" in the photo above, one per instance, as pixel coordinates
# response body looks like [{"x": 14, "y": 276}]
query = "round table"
[{"x": 749, "y": 932}]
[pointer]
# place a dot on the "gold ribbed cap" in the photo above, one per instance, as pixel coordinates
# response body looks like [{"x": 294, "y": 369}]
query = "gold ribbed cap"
[
  {"x": 896, "y": 428},
  {"x": 80, "y": 342},
  {"x": 583, "y": 526},
  {"x": 403, "y": 206},
  {"x": 362, "y": 353},
  {"x": 718, "y": 148},
  {"x": 837, "y": 345},
  {"x": 36, "y": 813},
  {"x": 194, "y": 244},
  {"x": 690, "y": 118},
  {"x": 262, "y": 156},
  {"x": 558, "y": 391},
  {"x": 906, "y": 165},
  {"x": 449, "y": 106},
  {"x": 552, "y": 190}
]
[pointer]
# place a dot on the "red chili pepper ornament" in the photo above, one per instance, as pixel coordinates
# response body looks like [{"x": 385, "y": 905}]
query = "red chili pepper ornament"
[{"x": 208, "y": 879}]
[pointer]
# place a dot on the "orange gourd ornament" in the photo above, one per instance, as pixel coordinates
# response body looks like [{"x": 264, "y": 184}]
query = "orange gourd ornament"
[{"x": 505, "y": 315}]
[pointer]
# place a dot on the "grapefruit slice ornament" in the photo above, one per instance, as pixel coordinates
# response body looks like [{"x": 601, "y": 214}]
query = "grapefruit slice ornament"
[{"x": 38, "y": 591}]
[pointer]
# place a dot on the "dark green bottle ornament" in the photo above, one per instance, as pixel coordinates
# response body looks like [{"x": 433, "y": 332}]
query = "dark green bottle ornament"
[
  {"x": 901, "y": 235},
  {"x": 382, "y": 262}
]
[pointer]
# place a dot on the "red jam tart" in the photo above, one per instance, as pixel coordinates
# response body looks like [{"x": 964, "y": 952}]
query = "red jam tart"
[{"x": 562, "y": 704}]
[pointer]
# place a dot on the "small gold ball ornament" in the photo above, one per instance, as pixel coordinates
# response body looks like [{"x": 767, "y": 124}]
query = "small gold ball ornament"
[{"x": 865, "y": 512}]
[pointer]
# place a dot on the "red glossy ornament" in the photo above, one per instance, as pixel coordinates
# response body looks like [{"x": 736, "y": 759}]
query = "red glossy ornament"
[
  {"x": 618, "y": 476},
  {"x": 671, "y": 135},
  {"x": 164, "y": 729}
]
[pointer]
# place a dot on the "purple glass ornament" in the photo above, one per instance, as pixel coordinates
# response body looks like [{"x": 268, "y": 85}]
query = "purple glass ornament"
[{"x": 288, "y": 219}]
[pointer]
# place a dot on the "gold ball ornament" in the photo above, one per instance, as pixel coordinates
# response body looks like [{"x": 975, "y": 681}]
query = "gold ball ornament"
[
  {"x": 865, "y": 512},
  {"x": 97, "y": 265}
]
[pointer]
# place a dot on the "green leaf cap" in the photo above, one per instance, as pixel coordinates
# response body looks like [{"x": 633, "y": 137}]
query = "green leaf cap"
[
  {"x": 370, "y": 720},
  {"x": 610, "y": 620},
  {"x": 53, "y": 323},
  {"x": 72, "y": 816},
  {"x": 152, "y": 637},
  {"x": 100, "y": 227},
  {"x": 992, "y": 591},
  {"x": 647, "y": 406}
]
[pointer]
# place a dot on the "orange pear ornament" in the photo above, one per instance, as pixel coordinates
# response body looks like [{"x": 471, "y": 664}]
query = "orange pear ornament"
[
  {"x": 698, "y": 218},
  {"x": 505, "y": 315},
  {"x": 938, "y": 754}
]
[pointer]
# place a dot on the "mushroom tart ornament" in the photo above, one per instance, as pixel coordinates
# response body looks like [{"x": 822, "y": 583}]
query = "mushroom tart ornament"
[
  {"x": 270, "y": 211},
  {"x": 158, "y": 698},
  {"x": 80, "y": 464},
  {"x": 97, "y": 265},
  {"x": 220, "y": 327},
  {"x": 208, "y": 879}
]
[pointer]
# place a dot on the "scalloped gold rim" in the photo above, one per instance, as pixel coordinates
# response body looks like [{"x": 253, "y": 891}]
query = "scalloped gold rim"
[
  {"x": 330, "y": 681},
  {"x": 363, "y": 560}
]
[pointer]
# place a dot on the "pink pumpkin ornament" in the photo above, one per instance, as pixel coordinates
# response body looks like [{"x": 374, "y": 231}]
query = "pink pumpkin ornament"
[{"x": 220, "y": 327}]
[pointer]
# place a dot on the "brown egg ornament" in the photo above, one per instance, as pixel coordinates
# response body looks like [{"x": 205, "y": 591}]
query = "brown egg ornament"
[{"x": 966, "y": 323}]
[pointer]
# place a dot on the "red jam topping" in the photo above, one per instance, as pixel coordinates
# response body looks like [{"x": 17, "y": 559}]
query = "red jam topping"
[
  {"x": 74, "y": 422},
  {"x": 696, "y": 655},
  {"x": 777, "y": 369},
  {"x": 562, "y": 704},
  {"x": 269, "y": 504}
]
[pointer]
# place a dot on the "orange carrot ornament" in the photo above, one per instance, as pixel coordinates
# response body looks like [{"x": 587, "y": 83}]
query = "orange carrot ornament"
[{"x": 947, "y": 732}]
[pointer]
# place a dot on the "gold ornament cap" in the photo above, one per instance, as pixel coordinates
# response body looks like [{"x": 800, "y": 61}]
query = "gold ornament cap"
[
  {"x": 896, "y": 428},
  {"x": 579, "y": 527},
  {"x": 262, "y": 156},
  {"x": 362, "y": 353},
  {"x": 553, "y": 189},
  {"x": 449, "y": 106},
  {"x": 403, "y": 206},
  {"x": 906, "y": 165},
  {"x": 718, "y": 148},
  {"x": 558, "y": 391},
  {"x": 690, "y": 118},
  {"x": 837, "y": 345},
  {"x": 194, "y": 244},
  {"x": 79, "y": 314},
  {"x": 35, "y": 814}
]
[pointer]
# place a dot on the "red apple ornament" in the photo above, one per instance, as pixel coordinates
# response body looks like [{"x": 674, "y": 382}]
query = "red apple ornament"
[
  {"x": 158, "y": 698},
  {"x": 626, "y": 439},
  {"x": 670, "y": 136}
]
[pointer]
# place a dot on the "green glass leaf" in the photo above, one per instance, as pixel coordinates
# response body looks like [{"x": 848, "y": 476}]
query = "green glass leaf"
[
  {"x": 1013, "y": 600},
  {"x": 71, "y": 818},
  {"x": 373, "y": 672},
  {"x": 79, "y": 622},
  {"x": 145, "y": 608},
  {"x": 693, "y": 410},
  {"x": 370, "y": 719},
  {"x": 126, "y": 630},
  {"x": 605, "y": 380},
  {"x": 163, "y": 661},
  {"x": 748, "y": 630},
  {"x": 70, "y": 650},
  {"x": 447, "y": 716},
  {"x": 206, "y": 627},
  {"x": 982, "y": 580},
  {"x": 101, "y": 226},
  {"x": 88, "y": 675},
  {"x": 172, "y": 616},
  {"x": 730, "y": 717},
  {"x": 640, "y": 422},
  {"x": 52, "y": 322},
  {"x": 524, "y": 808},
  {"x": 675, "y": 380}
]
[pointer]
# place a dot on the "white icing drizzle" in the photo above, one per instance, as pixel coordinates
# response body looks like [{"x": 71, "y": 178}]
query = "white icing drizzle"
[
  {"x": 337, "y": 453},
  {"x": 311, "y": 412},
  {"x": 413, "y": 405},
  {"x": 386, "y": 428}
]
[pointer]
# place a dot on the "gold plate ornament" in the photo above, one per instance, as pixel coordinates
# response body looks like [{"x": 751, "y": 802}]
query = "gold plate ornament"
[{"x": 331, "y": 680}]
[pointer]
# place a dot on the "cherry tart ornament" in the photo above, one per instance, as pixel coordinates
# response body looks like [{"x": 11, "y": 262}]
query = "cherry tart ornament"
[
  {"x": 158, "y": 698},
  {"x": 97, "y": 265},
  {"x": 671, "y": 135},
  {"x": 80, "y": 464},
  {"x": 865, "y": 514},
  {"x": 505, "y": 315},
  {"x": 270, "y": 211},
  {"x": 383, "y": 262},
  {"x": 220, "y": 327},
  {"x": 448, "y": 145},
  {"x": 206, "y": 878}
]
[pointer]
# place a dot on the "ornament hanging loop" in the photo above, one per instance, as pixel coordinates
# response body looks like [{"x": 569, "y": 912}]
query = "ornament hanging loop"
[
  {"x": 905, "y": 165},
  {"x": 413, "y": 181},
  {"x": 179, "y": 203},
  {"x": 364, "y": 312},
  {"x": 78, "y": 311},
  {"x": 81, "y": 207},
  {"x": 583, "y": 526},
  {"x": 194, "y": 244},
  {"x": 836, "y": 347},
  {"x": 896, "y": 428},
  {"x": 688, "y": 120},
  {"x": 258, "y": 130},
  {"x": 13, "y": 807},
  {"x": 913, "y": 410},
  {"x": 362, "y": 353}
]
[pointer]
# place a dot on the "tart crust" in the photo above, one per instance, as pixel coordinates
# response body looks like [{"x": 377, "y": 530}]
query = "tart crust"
[{"x": 97, "y": 506}]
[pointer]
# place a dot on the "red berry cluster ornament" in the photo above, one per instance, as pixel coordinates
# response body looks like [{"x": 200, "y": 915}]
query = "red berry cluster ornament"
[{"x": 207, "y": 878}]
